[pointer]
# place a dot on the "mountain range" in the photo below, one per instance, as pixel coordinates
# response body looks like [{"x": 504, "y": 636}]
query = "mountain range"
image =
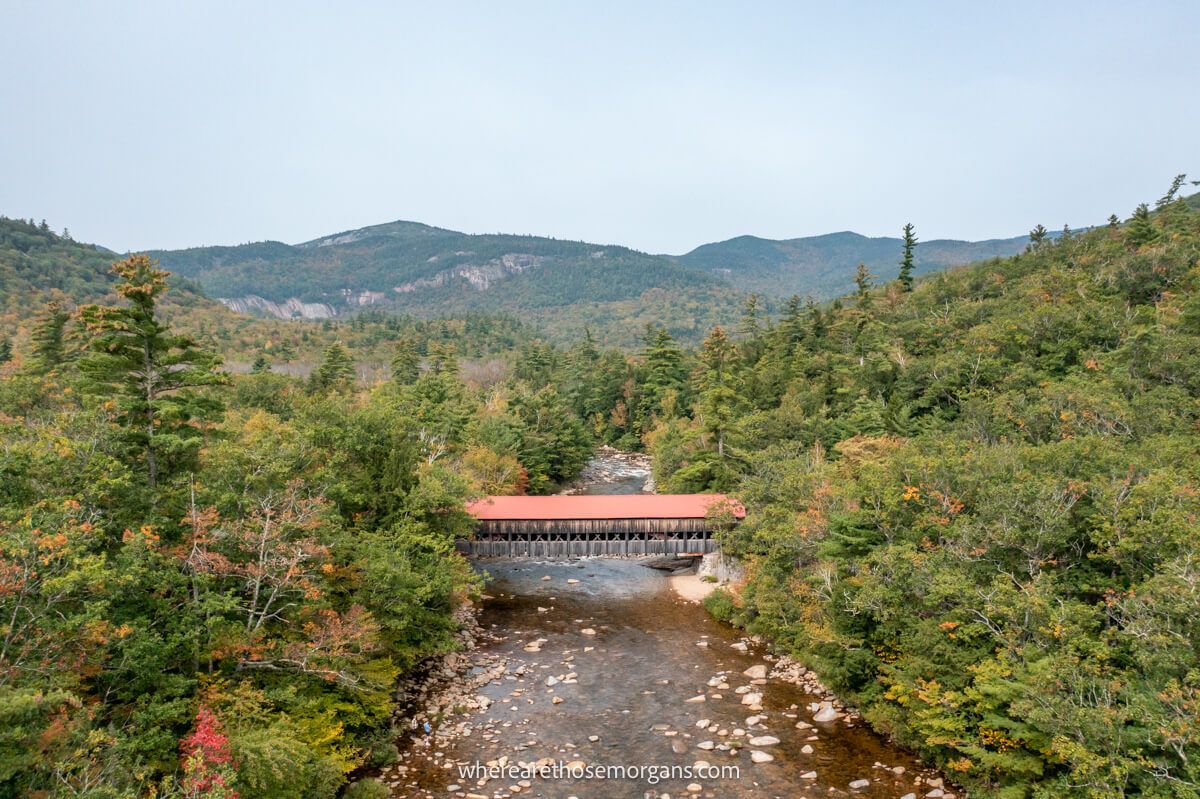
[
  {"x": 565, "y": 286},
  {"x": 562, "y": 287},
  {"x": 824, "y": 266}
]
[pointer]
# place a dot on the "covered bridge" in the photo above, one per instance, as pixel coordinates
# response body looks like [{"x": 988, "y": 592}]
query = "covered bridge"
[{"x": 612, "y": 524}]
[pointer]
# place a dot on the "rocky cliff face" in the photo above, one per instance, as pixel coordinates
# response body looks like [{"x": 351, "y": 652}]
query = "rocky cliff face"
[
  {"x": 290, "y": 309},
  {"x": 479, "y": 276}
]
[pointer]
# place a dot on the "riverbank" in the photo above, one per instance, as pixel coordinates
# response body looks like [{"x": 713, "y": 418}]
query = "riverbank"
[{"x": 691, "y": 587}]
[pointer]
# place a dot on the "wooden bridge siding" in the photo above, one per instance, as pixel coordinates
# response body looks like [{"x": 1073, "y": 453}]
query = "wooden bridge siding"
[
  {"x": 583, "y": 527},
  {"x": 497, "y": 548},
  {"x": 559, "y": 538}
]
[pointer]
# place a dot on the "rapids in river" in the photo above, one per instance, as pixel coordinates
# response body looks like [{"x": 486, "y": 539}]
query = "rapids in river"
[{"x": 598, "y": 664}]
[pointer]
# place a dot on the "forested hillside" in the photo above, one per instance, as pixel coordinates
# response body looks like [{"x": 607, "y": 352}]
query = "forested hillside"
[
  {"x": 45, "y": 276},
  {"x": 823, "y": 266},
  {"x": 210, "y": 583},
  {"x": 563, "y": 286},
  {"x": 37, "y": 265},
  {"x": 974, "y": 508}
]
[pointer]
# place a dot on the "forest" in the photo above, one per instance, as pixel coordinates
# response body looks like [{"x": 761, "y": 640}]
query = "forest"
[
  {"x": 973, "y": 505},
  {"x": 210, "y": 582},
  {"x": 972, "y": 509}
]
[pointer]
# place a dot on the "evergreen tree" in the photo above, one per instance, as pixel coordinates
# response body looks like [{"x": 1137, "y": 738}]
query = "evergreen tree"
[
  {"x": 1172, "y": 192},
  {"x": 662, "y": 371},
  {"x": 441, "y": 409},
  {"x": 6, "y": 350},
  {"x": 406, "y": 361},
  {"x": 718, "y": 399},
  {"x": 49, "y": 340},
  {"x": 148, "y": 372},
  {"x": 1140, "y": 229},
  {"x": 285, "y": 352},
  {"x": 1113, "y": 221},
  {"x": 443, "y": 358},
  {"x": 817, "y": 324},
  {"x": 336, "y": 370},
  {"x": 553, "y": 443},
  {"x": 750, "y": 323},
  {"x": 1036, "y": 237},
  {"x": 261, "y": 365},
  {"x": 906, "y": 260},
  {"x": 581, "y": 386},
  {"x": 750, "y": 330},
  {"x": 535, "y": 364},
  {"x": 792, "y": 324},
  {"x": 864, "y": 281}
]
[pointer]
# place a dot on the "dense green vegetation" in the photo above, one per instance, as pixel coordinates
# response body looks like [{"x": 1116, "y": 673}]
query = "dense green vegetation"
[
  {"x": 974, "y": 508},
  {"x": 563, "y": 286},
  {"x": 211, "y": 582}
]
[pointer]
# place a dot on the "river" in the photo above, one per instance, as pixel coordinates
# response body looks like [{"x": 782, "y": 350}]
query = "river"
[{"x": 597, "y": 663}]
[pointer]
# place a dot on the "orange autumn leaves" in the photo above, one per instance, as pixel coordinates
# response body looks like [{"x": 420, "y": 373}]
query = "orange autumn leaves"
[{"x": 273, "y": 562}]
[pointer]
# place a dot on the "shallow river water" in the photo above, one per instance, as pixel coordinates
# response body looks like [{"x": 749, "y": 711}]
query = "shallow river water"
[{"x": 594, "y": 662}]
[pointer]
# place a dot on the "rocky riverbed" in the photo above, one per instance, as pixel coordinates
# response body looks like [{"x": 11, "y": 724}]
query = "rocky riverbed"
[
  {"x": 596, "y": 663},
  {"x": 574, "y": 670},
  {"x": 611, "y": 471}
]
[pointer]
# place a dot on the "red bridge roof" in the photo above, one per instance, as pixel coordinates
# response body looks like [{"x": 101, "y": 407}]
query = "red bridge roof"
[{"x": 602, "y": 506}]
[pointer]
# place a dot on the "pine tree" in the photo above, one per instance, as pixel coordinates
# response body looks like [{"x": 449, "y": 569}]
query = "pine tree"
[
  {"x": 718, "y": 399},
  {"x": 662, "y": 370},
  {"x": 750, "y": 324},
  {"x": 285, "y": 352},
  {"x": 817, "y": 323},
  {"x": 1140, "y": 229},
  {"x": 1036, "y": 237},
  {"x": 336, "y": 370},
  {"x": 148, "y": 373},
  {"x": 1113, "y": 221},
  {"x": 792, "y": 324},
  {"x": 864, "y": 281},
  {"x": 582, "y": 384},
  {"x": 443, "y": 358},
  {"x": 906, "y": 260},
  {"x": 49, "y": 350},
  {"x": 6, "y": 350},
  {"x": 535, "y": 363},
  {"x": 261, "y": 365},
  {"x": 750, "y": 330},
  {"x": 406, "y": 362},
  {"x": 1172, "y": 192}
]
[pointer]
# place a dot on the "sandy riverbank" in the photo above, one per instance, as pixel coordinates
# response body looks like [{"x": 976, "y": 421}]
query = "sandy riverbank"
[{"x": 690, "y": 587}]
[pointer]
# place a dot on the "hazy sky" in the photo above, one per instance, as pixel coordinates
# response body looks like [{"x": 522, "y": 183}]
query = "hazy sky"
[{"x": 656, "y": 125}]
